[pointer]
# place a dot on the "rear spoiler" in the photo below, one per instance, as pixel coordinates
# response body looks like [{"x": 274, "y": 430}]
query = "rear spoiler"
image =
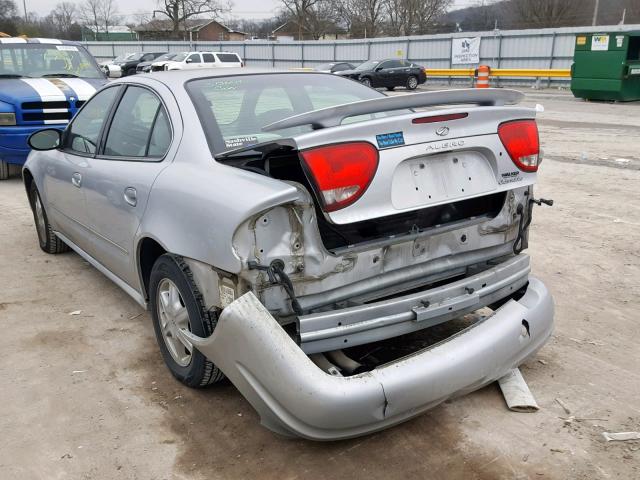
[{"x": 333, "y": 116}]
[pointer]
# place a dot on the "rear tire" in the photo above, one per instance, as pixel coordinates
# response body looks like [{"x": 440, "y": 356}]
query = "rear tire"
[
  {"x": 412, "y": 82},
  {"x": 4, "y": 170},
  {"x": 47, "y": 239},
  {"x": 177, "y": 303}
]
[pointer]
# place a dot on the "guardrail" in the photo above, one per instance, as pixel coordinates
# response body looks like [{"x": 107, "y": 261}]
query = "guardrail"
[{"x": 502, "y": 72}]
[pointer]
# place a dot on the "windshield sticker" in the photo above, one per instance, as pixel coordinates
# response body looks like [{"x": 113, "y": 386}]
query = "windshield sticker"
[
  {"x": 67, "y": 48},
  {"x": 386, "y": 140},
  {"x": 237, "y": 142}
]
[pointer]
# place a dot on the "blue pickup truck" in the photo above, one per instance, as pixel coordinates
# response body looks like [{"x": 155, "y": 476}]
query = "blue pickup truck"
[{"x": 42, "y": 82}]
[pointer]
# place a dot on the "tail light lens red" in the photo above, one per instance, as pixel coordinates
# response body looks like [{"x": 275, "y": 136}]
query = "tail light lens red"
[
  {"x": 341, "y": 172},
  {"x": 520, "y": 139}
]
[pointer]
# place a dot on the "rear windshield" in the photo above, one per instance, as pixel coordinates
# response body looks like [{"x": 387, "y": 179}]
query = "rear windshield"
[
  {"x": 228, "y": 57},
  {"x": 234, "y": 109}
]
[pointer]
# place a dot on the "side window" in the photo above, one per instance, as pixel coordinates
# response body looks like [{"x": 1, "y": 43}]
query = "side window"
[
  {"x": 83, "y": 133},
  {"x": 133, "y": 126},
  {"x": 341, "y": 67},
  {"x": 393, "y": 64},
  {"x": 208, "y": 58},
  {"x": 160, "y": 135},
  {"x": 194, "y": 58}
]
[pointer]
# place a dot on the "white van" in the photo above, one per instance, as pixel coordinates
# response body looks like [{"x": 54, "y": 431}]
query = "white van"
[{"x": 193, "y": 60}]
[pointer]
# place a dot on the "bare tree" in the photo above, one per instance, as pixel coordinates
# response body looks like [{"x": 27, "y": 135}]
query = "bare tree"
[
  {"x": 64, "y": 17},
  {"x": 546, "y": 13},
  {"x": 108, "y": 13},
  {"x": 91, "y": 15},
  {"x": 178, "y": 11},
  {"x": 410, "y": 17},
  {"x": 362, "y": 18},
  {"x": 312, "y": 17}
]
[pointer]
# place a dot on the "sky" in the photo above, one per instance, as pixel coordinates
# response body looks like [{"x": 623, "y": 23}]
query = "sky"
[{"x": 256, "y": 9}]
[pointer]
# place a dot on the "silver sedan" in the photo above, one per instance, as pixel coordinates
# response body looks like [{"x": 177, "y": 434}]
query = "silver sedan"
[{"x": 301, "y": 233}]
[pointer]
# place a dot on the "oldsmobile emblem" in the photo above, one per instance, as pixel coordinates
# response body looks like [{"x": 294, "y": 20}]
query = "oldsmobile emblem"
[{"x": 442, "y": 131}]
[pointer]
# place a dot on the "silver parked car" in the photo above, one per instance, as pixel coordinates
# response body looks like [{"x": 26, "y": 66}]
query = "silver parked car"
[{"x": 305, "y": 235}]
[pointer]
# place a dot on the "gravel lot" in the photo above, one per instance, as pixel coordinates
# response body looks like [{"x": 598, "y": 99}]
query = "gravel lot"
[{"x": 87, "y": 396}]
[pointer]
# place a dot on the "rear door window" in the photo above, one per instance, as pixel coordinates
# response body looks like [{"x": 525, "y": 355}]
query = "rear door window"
[
  {"x": 133, "y": 133},
  {"x": 208, "y": 58}
]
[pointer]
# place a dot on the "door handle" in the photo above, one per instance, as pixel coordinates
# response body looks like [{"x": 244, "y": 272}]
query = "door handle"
[
  {"x": 76, "y": 179},
  {"x": 131, "y": 196}
]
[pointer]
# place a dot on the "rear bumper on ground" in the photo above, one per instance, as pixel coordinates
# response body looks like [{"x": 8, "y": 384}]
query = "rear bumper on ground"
[
  {"x": 13, "y": 142},
  {"x": 295, "y": 397}
]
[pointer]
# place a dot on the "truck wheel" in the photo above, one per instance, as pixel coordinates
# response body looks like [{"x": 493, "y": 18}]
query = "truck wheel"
[
  {"x": 176, "y": 303},
  {"x": 412, "y": 82},
  {"x": 49, "y": 243},
  {"x": 4, "y": 170}
]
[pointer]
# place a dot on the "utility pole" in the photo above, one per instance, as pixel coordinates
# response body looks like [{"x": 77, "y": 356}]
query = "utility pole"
[
  {"x": 595, "y": 13},
  {"x": 624, "y": 14}
]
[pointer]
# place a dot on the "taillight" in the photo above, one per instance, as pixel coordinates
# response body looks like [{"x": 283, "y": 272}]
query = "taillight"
[
  {"x": 341, "y": 172},
  {"x": 520, "y": 139}
]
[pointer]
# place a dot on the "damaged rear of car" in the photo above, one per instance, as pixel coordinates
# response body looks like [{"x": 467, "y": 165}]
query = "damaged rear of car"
[
  {"x": 348, "y": 260},
  {"x": 401, "y": 220}
]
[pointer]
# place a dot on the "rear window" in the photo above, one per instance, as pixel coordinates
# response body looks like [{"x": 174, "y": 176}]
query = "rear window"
[
  {"x": 234, "y": 109},
  {"x": 228, "y": 57}
]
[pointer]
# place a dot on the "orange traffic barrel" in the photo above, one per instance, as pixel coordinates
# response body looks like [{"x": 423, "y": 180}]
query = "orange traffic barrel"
[{"x": 482, "y": 76}]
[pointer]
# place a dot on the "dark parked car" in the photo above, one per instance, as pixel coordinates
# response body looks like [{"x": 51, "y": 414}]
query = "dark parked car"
[
  {"x": 145, "y": 67},
  {"x": 388, "y": 73},
  {"x": 129, "y": 64},
  {"x": 333, "y": 67}
]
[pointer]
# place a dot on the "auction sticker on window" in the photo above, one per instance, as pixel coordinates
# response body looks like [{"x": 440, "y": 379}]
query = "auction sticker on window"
[
  {"x": 599, "y": 43},
  {"x": 386, "y": 140},
  {"x": 67, "y": 48}
]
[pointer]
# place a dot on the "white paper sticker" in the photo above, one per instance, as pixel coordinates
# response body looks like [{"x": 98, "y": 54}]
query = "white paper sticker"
[
  {"x": 67, "y": 48},
  {"x": 599, "y": 43},
  {"x": 619, "y": 41}
]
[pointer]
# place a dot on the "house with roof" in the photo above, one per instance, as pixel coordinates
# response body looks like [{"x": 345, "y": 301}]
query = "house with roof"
[{"x": 193, "y": 29}]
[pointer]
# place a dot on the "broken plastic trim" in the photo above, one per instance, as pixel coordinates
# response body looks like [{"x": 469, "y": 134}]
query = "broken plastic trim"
[{"x": 295, "y": 397}]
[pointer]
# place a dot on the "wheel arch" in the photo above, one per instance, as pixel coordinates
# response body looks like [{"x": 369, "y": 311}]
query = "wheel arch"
[
  {"x": 27, "y": 179},
  {"x": 147, "y": 252}
]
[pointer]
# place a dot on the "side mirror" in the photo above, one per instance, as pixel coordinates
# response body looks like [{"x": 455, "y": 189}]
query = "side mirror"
[
  {"x": 378, "y": 69},
  {"x": 189, "y": 60},
  {"x": 47, "y": 139}
]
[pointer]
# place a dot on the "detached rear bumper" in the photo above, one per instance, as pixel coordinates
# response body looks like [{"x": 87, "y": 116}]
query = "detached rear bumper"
[{"x": 294, "y": 397}]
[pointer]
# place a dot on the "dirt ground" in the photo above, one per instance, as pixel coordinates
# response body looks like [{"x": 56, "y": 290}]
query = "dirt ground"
[{"x": 87, "y": 396}]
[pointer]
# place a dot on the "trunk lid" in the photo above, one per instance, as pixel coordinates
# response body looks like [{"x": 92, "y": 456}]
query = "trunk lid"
[{"x": 424, "y": 163}]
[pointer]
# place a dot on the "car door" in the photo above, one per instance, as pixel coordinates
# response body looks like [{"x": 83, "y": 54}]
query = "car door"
[
  {"x": 384, "y": 75},
  {"x": 194, "y": 61},
  {"x": 66, "y": 168},
  {"x": 132, "y": 154}
]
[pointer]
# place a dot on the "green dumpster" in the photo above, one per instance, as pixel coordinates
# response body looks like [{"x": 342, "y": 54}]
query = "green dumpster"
[{"x": 606, "y": 66}]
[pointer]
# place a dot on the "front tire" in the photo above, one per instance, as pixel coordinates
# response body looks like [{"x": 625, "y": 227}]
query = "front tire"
[
  {"x": 176, "y": 303},
  {"x": 366, "y": 81},
  {"x": 390, "y": 89},
  {"x": 47, "y": 239},
  {"x": 4, "y": 170},
  {"x": 412, "y": 82}
]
